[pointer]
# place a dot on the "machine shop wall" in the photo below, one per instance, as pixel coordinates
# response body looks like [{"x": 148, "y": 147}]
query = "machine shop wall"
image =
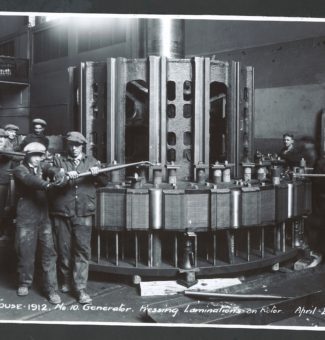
[
  {"x": 211, "y": 36},
  {"x": 289, "y": 76},
  {"x": 14, "y": 99},
  {"x": 52, "y": 75},
  {"x": 11, "y": 24},
  {"x": 289, "y": 88},
  {"x": 14, "y": 106}
]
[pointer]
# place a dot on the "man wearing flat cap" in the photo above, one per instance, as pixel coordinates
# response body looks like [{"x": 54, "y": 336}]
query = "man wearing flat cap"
[
  {"x": 13, "y": 139},
  {"x": 7, "y": 164},
  {"x": 33, "y": 225},
  {"x": 37, "y": 135},
  {"x": 72, "y": 208}
]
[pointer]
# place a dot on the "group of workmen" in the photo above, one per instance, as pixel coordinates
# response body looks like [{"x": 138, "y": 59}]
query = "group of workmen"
[{"x": 55, "y": 207}]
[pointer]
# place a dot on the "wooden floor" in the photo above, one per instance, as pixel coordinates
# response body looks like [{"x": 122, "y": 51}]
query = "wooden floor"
[{"x": 116, "y": 299}]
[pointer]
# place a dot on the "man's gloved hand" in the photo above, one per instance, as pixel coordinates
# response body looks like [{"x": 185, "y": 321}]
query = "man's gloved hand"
[
  {"x": 60, "y": 179},
  {"x": 94, "y": 170},
  {"x": 72, "y": 174}
]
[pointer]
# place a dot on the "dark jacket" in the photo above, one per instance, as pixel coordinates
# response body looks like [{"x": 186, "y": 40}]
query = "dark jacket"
[
  {"x": 31, "y": 192},
  {"x": 292, "y": 157},
  {"x": 7, "y": 164},
  {"x": 14, "y": 144},
  {"x": 76, "y": 198},
  {"x": 32, "y": 137}
]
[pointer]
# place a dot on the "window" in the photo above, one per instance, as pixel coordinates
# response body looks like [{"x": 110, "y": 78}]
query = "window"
[{"x": 51, "y": 43}]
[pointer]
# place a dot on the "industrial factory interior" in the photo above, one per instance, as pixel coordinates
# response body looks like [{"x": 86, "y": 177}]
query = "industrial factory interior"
[{"x": 199, "y": 183}]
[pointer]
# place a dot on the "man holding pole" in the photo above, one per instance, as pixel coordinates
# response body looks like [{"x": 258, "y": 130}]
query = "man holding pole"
[
  {"x": 33, "y": 223},
  {"x": 72, "y": 208}
]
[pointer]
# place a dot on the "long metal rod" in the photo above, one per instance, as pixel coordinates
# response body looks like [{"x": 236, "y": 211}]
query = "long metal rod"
[
  {"x": 175, "y": 251},
  {"x": 115, "y": 167},
  {"x": 116, "y": 248},
  {"x": 308, "y": 175},
  {"x": 235, "y": 296},
  {"x": 106, "y": 240},
  {"x": 231, "y": 245},
  {"x": 12, "y": 153},
  {"x": 98, "y": 245},
  {"x": 237, "y": 118},
  {"x": 214, "y": 249},
  {"x": 262, "y": 242},
  {"x": 122, "y": 246},
  {"x": 248, "y": 245},
  {"x": 278, "y": 237},
  {"x": 150, "y": 261},
  {"x": 136, "y": 249},
  {"x": 293, "y": 225},
  {"x": 195, "y": 250},
  {"x": 274, "y": 239},
  {"x": 283, "y": 237}
]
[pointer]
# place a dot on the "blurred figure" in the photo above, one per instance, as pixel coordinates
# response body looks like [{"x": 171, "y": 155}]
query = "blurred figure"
[
  {"x": 308, "y": 151},
  {"x": 315, "y": 222},
  {"x": 7, "y": 163},
  {"x": 13, "y": 139},
  {"x": 289, "y": 152},
  {"x": 39, "y": 126}
]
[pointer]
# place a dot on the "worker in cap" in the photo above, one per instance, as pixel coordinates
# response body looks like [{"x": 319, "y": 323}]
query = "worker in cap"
[
  {"x": 13, "y": 139},
  {"x": 33, "y": 226},
  {"x": 35, "y": 148},
  {"x": 4, "y": 143},
  {"x": 3, "y": 139},
  {"x": 37, "y": 135},
  {"x": 7, "y": 164},
  {"x": 77, "y": 137},
  {"x": 11, "y": 127},
  {"x": 289, "y": 153},
  {"x": 72, "y": 208},
  {"x": 39, "y": 121}
]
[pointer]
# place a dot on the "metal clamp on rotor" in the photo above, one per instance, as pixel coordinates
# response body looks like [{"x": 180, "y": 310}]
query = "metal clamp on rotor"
[{"x": 188, "y": 264}]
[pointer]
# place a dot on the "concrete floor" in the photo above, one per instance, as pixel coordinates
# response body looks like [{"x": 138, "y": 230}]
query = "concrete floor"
[
  {"x": 120, "y": 298},
  {"x": 116, "y": 300}
]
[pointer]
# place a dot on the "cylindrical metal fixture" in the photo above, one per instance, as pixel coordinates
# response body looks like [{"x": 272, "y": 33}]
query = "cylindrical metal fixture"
[
  {"x": 290, "y": 200},
  {"x": 276, "y": 172},
  {"x": 247, "y": 173},
  {"x": 155, "y": 208},
  {"x": 200, "y": 176},
  {"x": 172, "y": 179},
  {"x": 136, "y": 182},
  {"x": 162, "y": 37},
  {"x": 172, "y": 173},
  {"x": 187, "y": 254},
  {"x": 157, "y": 176},
  {"x": 217, "y": 176},
  {"x": 235, "y": 208},
  {"x": 143, "y": 175},
  {"x": 261, "y": 174},
  {"x": 115, "y": 176},
  {"x": 226, "y": 175}
]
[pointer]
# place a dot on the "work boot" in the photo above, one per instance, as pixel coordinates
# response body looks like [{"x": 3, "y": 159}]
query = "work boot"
[
  {"x": 65, "y": 288},
  {"x": 54, "y": 298},
  {"x": 22, "y": 291},
  {"x": 83, "y": 297}
]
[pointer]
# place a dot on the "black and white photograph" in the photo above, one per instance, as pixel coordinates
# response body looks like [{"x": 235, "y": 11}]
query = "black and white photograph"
[{"x": 162, "y": 170}]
